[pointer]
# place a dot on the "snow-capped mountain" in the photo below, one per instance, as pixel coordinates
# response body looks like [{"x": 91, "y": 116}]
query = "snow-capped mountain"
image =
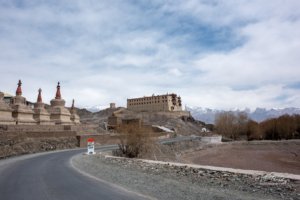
[
  {"x": 261, "y": 114},
  {"x": 96, "y": 108},
  {"x": 207, "y": 115}
]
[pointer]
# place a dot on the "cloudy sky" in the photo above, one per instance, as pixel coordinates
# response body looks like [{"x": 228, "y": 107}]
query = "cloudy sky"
[{"x": 221, "y": 54}]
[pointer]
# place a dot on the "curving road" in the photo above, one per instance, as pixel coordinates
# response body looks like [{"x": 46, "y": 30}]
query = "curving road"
[{"x": 50, "y": 176}]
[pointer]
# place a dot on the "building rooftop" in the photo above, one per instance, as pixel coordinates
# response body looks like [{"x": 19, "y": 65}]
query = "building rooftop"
[{"x": 153, "y": 95}]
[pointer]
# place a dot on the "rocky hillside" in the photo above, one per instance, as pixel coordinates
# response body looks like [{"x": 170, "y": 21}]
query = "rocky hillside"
[
  {"x": 88, "y": 117},
  {"x": 181, "y": 125}
]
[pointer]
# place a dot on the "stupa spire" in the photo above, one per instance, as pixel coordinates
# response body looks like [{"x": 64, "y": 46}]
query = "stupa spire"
[
  {"x": 73, "y": 101},
  {"x": 59, "y": 114},
  {"x": 58, "y": 95},
  {"x": 22, "y": 113},
  {"x": 41, "y": 115},
  {"x": 74, "y": 117},
  {"x": 19, "y": 89},
  {"x": 39, "y": 99}
]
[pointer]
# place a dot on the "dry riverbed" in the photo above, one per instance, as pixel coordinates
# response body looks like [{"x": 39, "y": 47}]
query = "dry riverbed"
[{"x": 174, "y": 182}]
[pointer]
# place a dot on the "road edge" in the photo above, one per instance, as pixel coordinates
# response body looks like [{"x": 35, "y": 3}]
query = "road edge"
[
  {"x": 84, "y": 173},
  {"x": 223, "y": 169}
]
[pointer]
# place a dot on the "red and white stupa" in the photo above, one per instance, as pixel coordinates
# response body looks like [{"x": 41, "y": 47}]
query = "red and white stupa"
[{"x": 59, "y": 114}]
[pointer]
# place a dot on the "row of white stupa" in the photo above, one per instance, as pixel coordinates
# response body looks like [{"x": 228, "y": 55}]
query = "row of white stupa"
[{"x": 18, "y": 112}]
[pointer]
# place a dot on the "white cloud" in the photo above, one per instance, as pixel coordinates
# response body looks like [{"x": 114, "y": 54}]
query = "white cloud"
[
  {"x": 270, "y": 56},
  {"x": 218, "y": 54},
  {"x": 175, "y": 72}
]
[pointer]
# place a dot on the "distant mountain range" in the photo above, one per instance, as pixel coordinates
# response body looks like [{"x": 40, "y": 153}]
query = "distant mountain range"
[
  {"x": 207, "y": 115},
  {"x": 96, "y": 108}
]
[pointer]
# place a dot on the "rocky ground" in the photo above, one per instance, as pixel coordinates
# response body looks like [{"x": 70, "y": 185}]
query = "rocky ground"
[{"x": 174, "y": 182}]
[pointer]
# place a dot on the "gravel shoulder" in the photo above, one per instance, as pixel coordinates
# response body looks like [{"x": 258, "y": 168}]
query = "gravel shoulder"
[{"x": 182, "y": 182}]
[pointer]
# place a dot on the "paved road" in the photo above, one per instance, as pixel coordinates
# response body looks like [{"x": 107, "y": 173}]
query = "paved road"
[{"x": 51, "y": 176}]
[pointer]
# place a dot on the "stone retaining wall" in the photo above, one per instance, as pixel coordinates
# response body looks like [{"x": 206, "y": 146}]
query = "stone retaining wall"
[
  {"x": 212, "y": 139},
  {"x": 50, "y": 128},
  {"x": 43, "y": 128},
  {"x": 109, "y": 138}
]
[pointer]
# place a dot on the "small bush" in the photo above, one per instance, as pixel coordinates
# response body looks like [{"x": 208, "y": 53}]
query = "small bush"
[{"x": 135, "y": 141}]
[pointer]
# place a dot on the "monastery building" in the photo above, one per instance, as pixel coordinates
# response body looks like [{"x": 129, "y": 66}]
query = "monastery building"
[{"x": 155, "y": 103}]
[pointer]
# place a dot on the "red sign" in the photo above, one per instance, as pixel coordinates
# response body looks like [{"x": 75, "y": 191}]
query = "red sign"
[{"x": 90, "y": 140}]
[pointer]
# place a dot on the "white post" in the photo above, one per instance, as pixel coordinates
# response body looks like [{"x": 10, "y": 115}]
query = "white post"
[{"x": 90, "y": 146}]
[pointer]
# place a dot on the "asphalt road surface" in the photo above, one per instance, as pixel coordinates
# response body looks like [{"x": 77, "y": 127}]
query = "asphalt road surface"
[{"x": 50, "y": 176}]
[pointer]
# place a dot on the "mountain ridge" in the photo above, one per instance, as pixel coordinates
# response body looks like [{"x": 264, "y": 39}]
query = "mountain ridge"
[
  {"x": 207, "y": 115},
  {"x": 259, "y": 114}
]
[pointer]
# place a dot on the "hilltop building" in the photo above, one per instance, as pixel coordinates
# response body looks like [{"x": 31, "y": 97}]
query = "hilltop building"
[
  {"x": 155, "y": 103},
  {"x": 112, "y": 105}
]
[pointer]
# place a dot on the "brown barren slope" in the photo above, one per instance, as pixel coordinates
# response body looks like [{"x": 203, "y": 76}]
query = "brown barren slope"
[{"x": 271, "y": 156}]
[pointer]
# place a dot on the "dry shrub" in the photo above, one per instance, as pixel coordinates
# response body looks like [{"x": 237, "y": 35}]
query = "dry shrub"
[{"x": 135, "y": 141}]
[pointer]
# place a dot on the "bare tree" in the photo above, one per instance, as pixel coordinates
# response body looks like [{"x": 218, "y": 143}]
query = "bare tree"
[
  {"x": 253, "y": 131},
  {"x": 283, "y": 127},
  {"x": 231, "y": 125}
]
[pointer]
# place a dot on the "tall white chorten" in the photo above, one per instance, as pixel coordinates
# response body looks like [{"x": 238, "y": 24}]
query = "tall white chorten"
[
  {"x": 5, "y": 112},
  {"x": 41, "y": 115},
  {"x": 58, "y": 113},
  {"x": 22, "y": 113}
]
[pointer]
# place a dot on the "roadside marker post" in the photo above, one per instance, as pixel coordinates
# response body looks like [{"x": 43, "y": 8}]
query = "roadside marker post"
[{"x": 90, "y": 146}]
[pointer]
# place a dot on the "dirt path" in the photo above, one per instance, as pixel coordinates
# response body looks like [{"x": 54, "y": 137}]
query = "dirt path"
[{"x": 281, "y": 156}]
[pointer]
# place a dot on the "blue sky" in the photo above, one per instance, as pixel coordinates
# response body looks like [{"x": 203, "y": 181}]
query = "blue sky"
[{"x": 217, "y": 54}]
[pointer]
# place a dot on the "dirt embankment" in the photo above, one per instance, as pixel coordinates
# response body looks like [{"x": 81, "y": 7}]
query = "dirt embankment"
[
  {"x": 10, "y": 148},
  {"x": 271, "y": 156},
  {"x": 18, "y": 140}
]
